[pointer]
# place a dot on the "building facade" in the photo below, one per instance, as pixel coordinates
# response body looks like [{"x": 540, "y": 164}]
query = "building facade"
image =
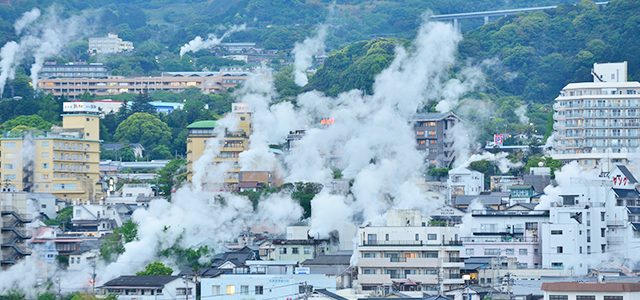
[
  {"x": 407, "y": 249},
  {"x": 434, "y": 135},
  {"x": 207, "y": 82},
  {"x": 14, "y": 234},
  {"x": 591, "y": 290},
  {"x": 110, "y": 44},
  {"x": 63, "y": 162},
  {"x": 74, "y": 70},
  {"x": 599, "y": 119}
]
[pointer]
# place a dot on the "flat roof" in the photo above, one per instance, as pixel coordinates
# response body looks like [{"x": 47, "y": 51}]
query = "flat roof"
[{"x": 592, "y": 286}]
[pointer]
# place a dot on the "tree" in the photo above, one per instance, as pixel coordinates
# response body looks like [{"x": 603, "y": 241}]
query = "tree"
[
  {"x": 145, "y": 129},
  {"x": 169, "y": 176},
  {"x": 303, "y": 192},
  {"x": 546, "y": 161},
  {"x": 142, "y": 105},
  {"x": 31, "y": 122},
  {"x": 125, "y": 154},
  {"x": 155, "y": 268},
  {"x": 63, "y": 219},
  {"x": 161, "y": 152},
  {"x": 113, "y": 244}
]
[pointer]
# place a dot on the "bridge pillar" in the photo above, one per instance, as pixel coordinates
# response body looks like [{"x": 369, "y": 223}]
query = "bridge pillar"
[
  {"x": 486, "y": 20},
  {"x": 456, "y": 25}
]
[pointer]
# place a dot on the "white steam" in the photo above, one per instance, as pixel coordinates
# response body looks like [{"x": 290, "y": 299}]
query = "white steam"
[
  {"x": 40, "y": 37},
  {"x": 303, "y": 53},
  {"x": 520, "y": 112},
  {"x": 500, "y": 159},
  {"x": 466, "y": 227},
  {"x": 212, "y": 40}
]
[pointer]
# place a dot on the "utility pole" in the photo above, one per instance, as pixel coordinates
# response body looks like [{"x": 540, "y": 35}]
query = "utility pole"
[
  {"x": 59, "y": 289},
  {"x": 93, "y": 276}
]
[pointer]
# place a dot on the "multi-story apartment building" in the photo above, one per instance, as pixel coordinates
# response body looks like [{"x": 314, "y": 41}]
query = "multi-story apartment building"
[
  {"x": 593, "y": 221},
  {"x": 434, "y": 136},
  {"x": 464, "y": 181},
  {"x": 207, "y": 82},
  {"x": 599, "y": 119},
  {"x": 74, "y": 70},
  {"x": 14, "y": 235},
  {"x": 407, "y": 249},
  {"x": 506, "y": 233},
  {"x": 63, "y": 161},
  {"x": 231, "y": 145},
  {"x": 109, "y": 45}
]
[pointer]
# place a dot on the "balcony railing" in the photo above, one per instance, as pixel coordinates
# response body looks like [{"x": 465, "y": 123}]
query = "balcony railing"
[{"x": 409, "y": 243}]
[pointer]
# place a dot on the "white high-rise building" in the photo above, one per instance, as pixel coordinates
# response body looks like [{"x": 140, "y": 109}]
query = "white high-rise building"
[
  {"x": 109, "y": 45},
  {"x": 597, "y": 120}
]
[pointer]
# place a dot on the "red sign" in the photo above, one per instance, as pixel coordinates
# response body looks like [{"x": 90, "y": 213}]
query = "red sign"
[
  {"x": 330, "y": 121},
  {"x": 497, "y": 138},
  {"x": 620, "y": 181}
]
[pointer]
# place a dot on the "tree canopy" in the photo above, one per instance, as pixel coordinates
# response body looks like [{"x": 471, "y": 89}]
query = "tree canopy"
[
  {"x": 155, "y": 268},
  {"x": 144, "y": 128}
]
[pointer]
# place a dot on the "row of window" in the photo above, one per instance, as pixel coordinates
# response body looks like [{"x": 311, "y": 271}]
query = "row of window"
[
  {"x": 244, "y": 290},
  {"x": 392, "y": 255},
  {"x": 584, "y": 297},
  {"x": 403, "y": 271},
  {"x": 295, "y": 250}
]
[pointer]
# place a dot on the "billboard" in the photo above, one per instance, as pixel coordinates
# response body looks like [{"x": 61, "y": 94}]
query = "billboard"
[
  {"x": 240, "y": 108},
  {"x": 498, "y": 139},
  {"x": 80, "y": 107}
]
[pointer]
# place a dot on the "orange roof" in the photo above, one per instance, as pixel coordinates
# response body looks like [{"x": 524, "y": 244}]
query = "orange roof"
[{"x": 592, "y": 286}]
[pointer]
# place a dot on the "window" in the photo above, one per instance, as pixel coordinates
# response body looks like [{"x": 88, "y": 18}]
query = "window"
[
  {"x": 9, "y": 155},
  {"x": 231, "y": 289},
  {"x": 556, "y": 232},
  {"x": 613, "y": 298},
  {"x": 244, "y": 289},
  {"x": 294, "y": 250},
  {"x": 431, "y": 254},
  {"x": 431, "y": 271},
  {"x": 259, "y": 290},
  {"x": 469, "y": 251},
  {"x": 45, "y": 154},
  {"x": 556, "y": 265},
  {"x": 283, "y": 250},
  {"x": 368, "y": 255},
  {"x": 558, "y": 297},
  {"x": 45, "y": 144},
  {"x": 10, "y": 177},
  {"x": 602, "y": 231},
  {"x": 9, "y": 144},
  {"x": 523, "y": 252},
  {"x": 510, "y": 251},
  {"x": 417, "y": 237},
  {"x": 386, "y": 237},
  {"x": 369, "y": 271},
  {"x": 531, "y": 226},
  {"x": 45, "y": 165},
  {"x": 432, "y": 236},
  {"x": 583, "y": 297},
  {"x": 535, "y": 251},
  {"x": 602, "y": 214},
  {"x": 9, "y": 166},
  {"x": 559, "y": 249},
  {"x": 307, "y": 250},
  {"x": 491, "y": 251}
]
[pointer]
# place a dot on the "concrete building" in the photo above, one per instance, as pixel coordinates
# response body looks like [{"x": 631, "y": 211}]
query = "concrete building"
[
  {"x": 63, "y": 161},
  {"x": 150, "y": 287},
  {"x": 83, "y": 259},
  {"x": 74, "y": 70},
  {"x": 463, "y": 181},
  {"x": 14, "y": 233},
  {"x": 407, "y": 249},
  {"x": 95, "y": 219},
  {"x": 110, "y": 44},
  {"x": 599, "y": 119},
  {"x": 265, "y": 280},
  {"x": 230, "y": 146},
  {"x": 207, "y": 82},
  {"x": 591, "y": 290},
  {"x": 434, "y": 135}
]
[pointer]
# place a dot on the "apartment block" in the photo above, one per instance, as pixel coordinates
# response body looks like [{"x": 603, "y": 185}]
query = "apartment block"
[
  {"x": 599, "y": 119},
  {"x": 207, "y": 82},
  {"x": 14, "y": 234},
  {"x": 201, "y": 134},
  {"x": 74, "y": 70},
  {"x": 110, "y": 44},
  {"x": 434, "y": 135},
  {"x": 407, "y": 249},
  {"x": 63, "y": 161}
]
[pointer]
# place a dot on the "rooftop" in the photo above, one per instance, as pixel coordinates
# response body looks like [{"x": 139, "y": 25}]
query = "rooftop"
[
  {"x": 592, "y": 286},
  {"x": 202, "y": 124},
  {"x": 141, "y": 281}
]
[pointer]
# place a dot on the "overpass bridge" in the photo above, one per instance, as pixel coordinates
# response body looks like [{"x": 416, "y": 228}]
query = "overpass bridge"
[{"x": 493, "y": 13}]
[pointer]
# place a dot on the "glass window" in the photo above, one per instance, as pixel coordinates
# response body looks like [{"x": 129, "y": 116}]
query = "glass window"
[
  {"x": 283, "y": 250},
  {"x": 469, "y": 251},
  {"x": 9, "y": 166},
  {"x": 432, "y": 236},
  {"x": 9, "y": 155},
  {"x": 294, "y": 250},
  {"x": 45, "y": 165},
  {"x": 215, "y": 290},
  {"x": 45, "y": 144},
  {"x": 523, "y": 251},
  {"x": 368, "y": 255},
  {"x": 491, "y": 251},
  {"x": 259, "y": 290},
  {"x": 307, "y": 250},
  {"x": 585, "y": 297},
  {"x": 369, "y": 271},
  {"x": 510, "y": 251},
  {"x": 231, "y": 289},
  {"x": 244, "y": 289},
  {"x": 613, "y": 298},
  {"x": 9, "y": 144},
  {"x": 45, "y": 154},
  {"x": 558, "y": 297}
]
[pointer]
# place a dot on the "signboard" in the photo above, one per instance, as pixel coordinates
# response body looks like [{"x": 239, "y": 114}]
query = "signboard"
[
  {"x": 240, "y": 108},
  {"x": 498, "y": 139},
  {"x": 620, "y": 181},
  {"x": 302, "y": 270},
  {"x": 80, "y": 107},
  {"x": 328, "y": 121}
]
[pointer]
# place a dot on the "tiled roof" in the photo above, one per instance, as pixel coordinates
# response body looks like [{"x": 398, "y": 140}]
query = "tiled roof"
[{"x": 141, "y": 281}]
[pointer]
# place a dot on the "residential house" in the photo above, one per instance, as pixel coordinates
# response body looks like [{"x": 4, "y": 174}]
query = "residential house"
[
  {"x": 83, "y": 259},
  {"x": 463, "y": 181},
  {"x": 150, "y": 287}
]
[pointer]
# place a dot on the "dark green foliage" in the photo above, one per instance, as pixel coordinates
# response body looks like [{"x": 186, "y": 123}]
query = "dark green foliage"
[
  {"x": 30, "y": 122},
  {"x": 187, "y": 257},
  {"x": 47, "y": 296},
  {"x": 547, "y": 162},
  {"x": 113, "y": 244},
  {"x": 439, "y": 172},
  {"x": 144, "y": 128},
  {"x": 155, "y": 268},
  {"x": 63, "y": 261},
  {"x": 63, "y": 219},
  {"x": 169, "y": 176}
]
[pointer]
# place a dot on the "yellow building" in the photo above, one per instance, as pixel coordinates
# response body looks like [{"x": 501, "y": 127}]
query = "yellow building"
[
  {"x": 64, "y": 161},
  {"x": 231, "y": 144}
]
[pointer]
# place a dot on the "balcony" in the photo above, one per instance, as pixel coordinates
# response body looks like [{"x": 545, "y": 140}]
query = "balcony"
[
  {"x": 392, "y": 243},
  {"x": 616, "y": 223},
  {"x": 397, "y": 262}
]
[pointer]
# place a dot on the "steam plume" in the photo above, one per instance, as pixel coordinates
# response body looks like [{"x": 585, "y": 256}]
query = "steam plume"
[
  {"x": 304, "y": 52},
  {"x": 520, "y": 112},
  {"x": 212, "y": 40}
]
